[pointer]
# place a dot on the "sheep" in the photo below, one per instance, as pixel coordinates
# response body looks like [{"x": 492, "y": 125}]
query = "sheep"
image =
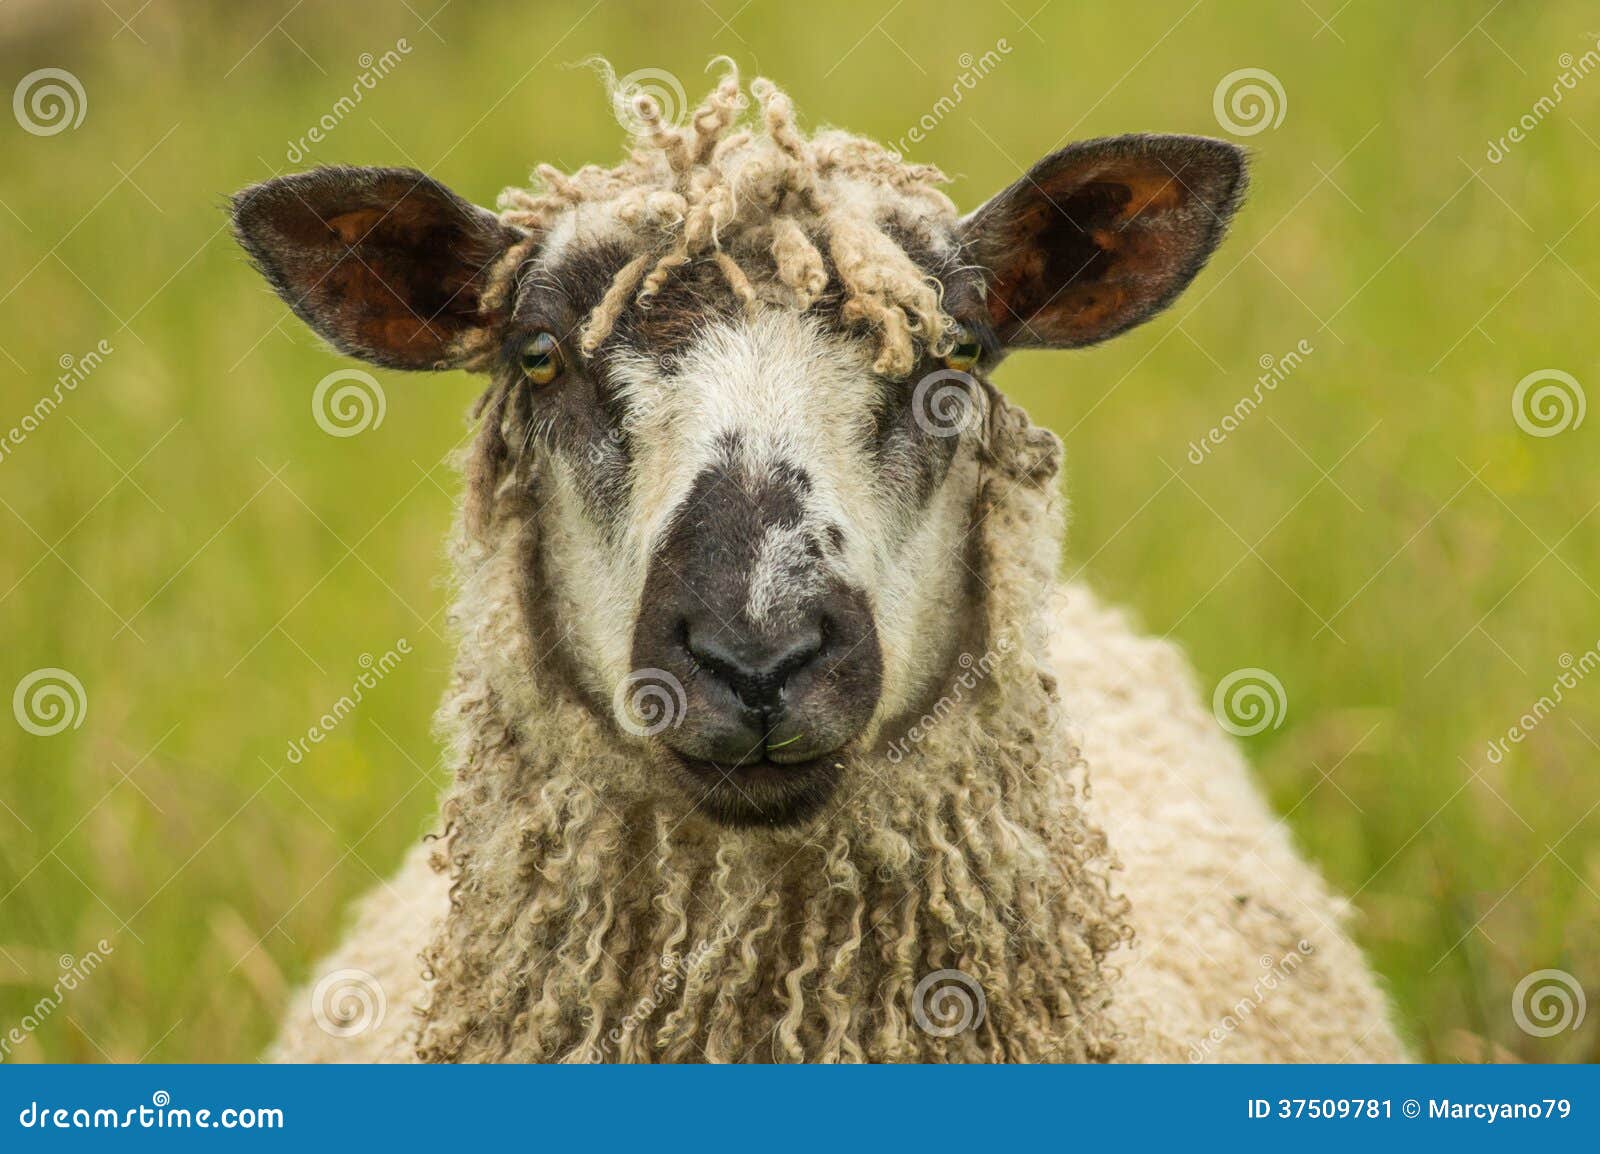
[{"x": 772, "y": 725}]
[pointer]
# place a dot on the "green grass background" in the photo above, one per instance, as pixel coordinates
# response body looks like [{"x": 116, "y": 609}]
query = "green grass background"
[{"x": 1380, "y": 535}]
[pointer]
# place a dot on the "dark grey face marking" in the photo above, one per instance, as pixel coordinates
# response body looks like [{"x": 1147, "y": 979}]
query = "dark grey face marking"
[
  {"x": 582, "y": 417},
  {"x": 912, "y": 463},
  {"x": 577, "y": 416},
  {"x": 772, "y": 689},
  {"x": 662, "y": 328}
]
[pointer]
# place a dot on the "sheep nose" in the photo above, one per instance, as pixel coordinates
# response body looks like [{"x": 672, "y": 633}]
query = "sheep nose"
[
  {"x": 770, "y": 653},
  {"x": 756, "y": 668}
]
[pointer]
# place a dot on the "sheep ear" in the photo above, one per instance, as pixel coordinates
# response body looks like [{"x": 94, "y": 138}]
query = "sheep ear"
[
  {"x": 387, "y": 264},
  {"x": 1102, "y": 235}
]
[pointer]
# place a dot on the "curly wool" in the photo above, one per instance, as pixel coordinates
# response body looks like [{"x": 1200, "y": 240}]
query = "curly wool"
[
  {"x": 577, "y": 890},
  {"x": 591, "y": 916},
  {"x": 763, "y": 202}
]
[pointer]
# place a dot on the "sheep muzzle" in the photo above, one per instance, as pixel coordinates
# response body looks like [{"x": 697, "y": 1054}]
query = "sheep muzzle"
[{"x": 773, "y": 653}]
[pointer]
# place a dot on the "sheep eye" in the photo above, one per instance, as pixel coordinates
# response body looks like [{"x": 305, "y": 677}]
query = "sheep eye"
[
  {"x": 965, "y": 353},
  {"x": 541, "y": 359}
]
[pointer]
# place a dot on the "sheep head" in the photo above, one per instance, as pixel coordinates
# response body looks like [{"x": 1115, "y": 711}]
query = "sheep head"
[{"x": 739, "y": 418}]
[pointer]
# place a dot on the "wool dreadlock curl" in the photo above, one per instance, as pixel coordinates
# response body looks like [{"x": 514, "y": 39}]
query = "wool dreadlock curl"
[{"x": 762, "y": 201}]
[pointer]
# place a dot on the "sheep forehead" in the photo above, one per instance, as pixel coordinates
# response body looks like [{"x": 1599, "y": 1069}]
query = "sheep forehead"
[
  {"x": 586, "y": 226},
  {"x": 779, "y": 382},
  {"x": 586, "y": 248},
  {"x": 773, "y": 397}
]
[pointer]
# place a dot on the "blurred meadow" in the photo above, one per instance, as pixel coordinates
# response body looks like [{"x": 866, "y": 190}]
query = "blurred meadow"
[{"x": 1407, "y": 544}]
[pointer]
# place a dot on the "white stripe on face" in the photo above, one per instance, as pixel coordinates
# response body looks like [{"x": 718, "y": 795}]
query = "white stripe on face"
[
  {"x": 767, "y": 396},
  {"x": 783, "y": 571}
]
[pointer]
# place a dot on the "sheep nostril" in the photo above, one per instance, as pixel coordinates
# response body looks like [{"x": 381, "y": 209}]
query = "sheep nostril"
[{"x": 757, "y": 671}]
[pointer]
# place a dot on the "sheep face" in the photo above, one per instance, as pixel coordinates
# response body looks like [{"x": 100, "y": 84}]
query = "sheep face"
[
  {"x": 737, "y": 457},
  {"x": 757, "y": 543}
]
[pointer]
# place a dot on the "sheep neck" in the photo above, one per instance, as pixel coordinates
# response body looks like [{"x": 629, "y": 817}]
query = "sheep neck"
[{"x": 953, "y": 906}]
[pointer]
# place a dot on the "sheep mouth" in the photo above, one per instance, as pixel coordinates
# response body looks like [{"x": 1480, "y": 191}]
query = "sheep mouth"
[{"x": 759, "y": 793}]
